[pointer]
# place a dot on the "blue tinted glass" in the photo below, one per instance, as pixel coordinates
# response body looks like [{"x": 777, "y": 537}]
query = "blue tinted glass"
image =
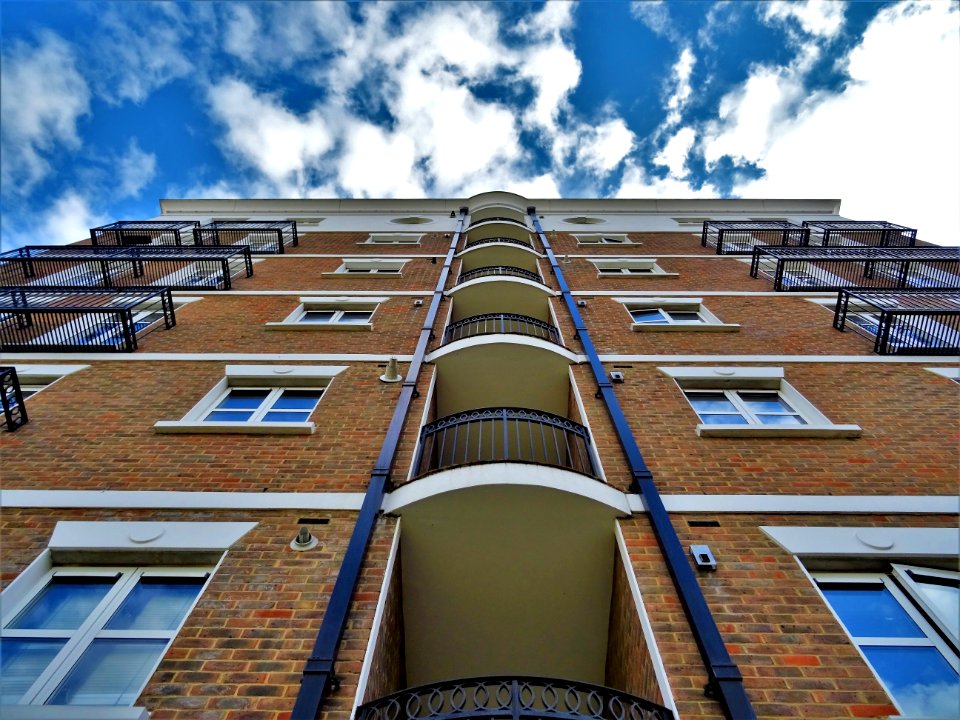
[
  {"x": 243, "y": 399},
  {"x": 686, "y": 317},
  {"x": 154, "y": 605},
  {"x": 297, "y": 400},
  {"x": 711, "y": 402},
  {"x": 723, "y": 419},
  {"x": 317, "y": 316},
  {"x": 764, "y": 402},
  {"x": 288, "y": 416},
  {"x": 648, "y": 316},
  {"x": 355, "y": 316},
  {"x": 781, "y": 420},
  {"x": 217, "y": 416},
  {"x": 21, "y": 662},
  {"x": 63, "y": 604},
  {"x": 871, "y": 611},
  {"x": 110, "y": 672},
  {"x": 920, "y": 679}
]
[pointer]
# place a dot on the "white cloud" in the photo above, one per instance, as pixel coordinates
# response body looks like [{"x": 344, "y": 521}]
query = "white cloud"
[
  {"x": 674, "y": 153},
  {"x": 680, "y": 79},
  {"x": 602, "y": 148},
  {"x": 654, "y": 14},
  {"x": 67, "y": 220},
  {"x": 134, "y": 169},
  {"x": 822, "y": 18},
  {"x": 887, "y": 145},
  {"x": 375, "y": 164},
  {"x": 42, "y": 96},
  {"x": 637, "y": 184}
]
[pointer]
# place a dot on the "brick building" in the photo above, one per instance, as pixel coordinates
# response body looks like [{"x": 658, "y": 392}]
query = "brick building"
[{"x": 448, "y": 458}]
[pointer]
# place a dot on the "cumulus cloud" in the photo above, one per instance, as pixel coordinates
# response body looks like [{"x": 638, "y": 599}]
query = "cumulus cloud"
[
  {"x": 33, "y": 123},
  {"x": 377, "y": 164},
  {"x": 638, "y": 184},
  {"x": 680, "y": 82},
  {"x": 602, "y": 148},
  {"x": 67, "y": 220},
  {"x": 134, "y": 170},
  {"x": 674, "y": 153},
  {"x": 822, "y": 18},
  {"x": 655, "y": 15}
]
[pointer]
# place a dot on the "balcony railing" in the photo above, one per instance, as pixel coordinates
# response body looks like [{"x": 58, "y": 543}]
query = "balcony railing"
[
  {"x": 508, "y": 323},
  {"x": 905, "y": 323},
  {"x": 490, "y": 240},
  {"x": 512, "y": 698},
  {"x": 145, "y": 232},
  {"x": 259, "y": 236},
  {"x": 499, "y": 270},
  {"x": 498, "y": 218},
  {"x": 835, "y": 268},
  {"x": 739, "y": 238},
  {"x": 11, "y": 398},
  {"x": 854, "y": 233},
  {"x": 515, "y": 435},
  {"x": 121, "y": 267},
  {"x": 68, "y": 319}
]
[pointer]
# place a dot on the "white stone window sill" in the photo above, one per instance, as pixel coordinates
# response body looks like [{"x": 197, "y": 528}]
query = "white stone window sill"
[
  {"x": 297, "y": 326},
  {"x": 686, "y": 327},
  {"x": 366, "y": 276},
  {"x": 73, "y": 712},
  {"x": 645, "y": 276},
  {"x": 167, "y": 427},
  {"x": 780, "y": 431}
]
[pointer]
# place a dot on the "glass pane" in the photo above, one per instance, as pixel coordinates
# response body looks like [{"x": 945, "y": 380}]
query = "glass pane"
[
  {"x": 639, "y": 270},
  {"x": 355, "y": 316},
  {"x": 243, "y": 400},
  {"x": 724, "y": 419},
  {"x": 297, "y": 400},
  {"x": 227, "y": 416},
  {"x": 317, "y": 316},
  {"x": 944, "y": 600},
  {"x": 765, "y": 402},
  {"x": 156, "y": 604},
  {"x": 648, "y": 316},
  {"x": 286, "y": 416},
  {"x": 21, "y": 662},
  {"x": 920, "y": 679},
  {"x": 63, "y": 604},
  {"x": 686, "y": 317},
  {"x": 711, "y": 402},
  {"x": 781, "y": 420},
  {"x": 871, "y": 611},
  {"x": 110, "y": 672}
]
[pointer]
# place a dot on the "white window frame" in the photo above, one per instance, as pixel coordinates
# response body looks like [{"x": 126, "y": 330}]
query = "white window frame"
[
  {"x": 629, "y": 267},
  {"x": 605, "y": 239},
  {"x": 910, "y": 586},
  {"x": 38, "y": 378},
  {"x": 294, "y": 321},
  {"x": 757, "y": 378},
  {"x": 370, "y": 268},
  {"x": 392, "y": 239},
  {"x": 708, "y": 321},
  {"x": 254, "y": 377},
  {"x": 951, "y": 373}
]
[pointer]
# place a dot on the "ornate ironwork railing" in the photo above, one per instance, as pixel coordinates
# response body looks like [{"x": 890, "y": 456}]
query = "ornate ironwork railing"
[
  {"x": 739, "y": 238},
  {"x": 512, "y": 698},
  {"x": 501, "y": 270},
  {"x": 145, "y": 232},
  {"x": 516, "y": 435},
  {"x": 853, "y": 233},
  {"x": 904, "y": 323},
  {"x": 261, "y": 236},
  {"x": 490, "y": 240},
  {"x": 508, "y": 323},
  {"x": 498, "y": 218},
  {"x": 11, "y": 397}
]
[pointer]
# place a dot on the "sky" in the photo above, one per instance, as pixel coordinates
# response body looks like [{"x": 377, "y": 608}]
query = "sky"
[{"x": 108, "y": 107}]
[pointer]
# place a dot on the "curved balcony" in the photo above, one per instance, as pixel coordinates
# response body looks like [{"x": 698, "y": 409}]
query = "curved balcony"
[
  {"x": 498, "y": 218},
  {"x": 489, "y": 240},
  {"x": 503, "y": 323},
  {"x": 501, "y": 271},
  {"x": 504, "y": 434},
  {"x": 513, "y": 698}
]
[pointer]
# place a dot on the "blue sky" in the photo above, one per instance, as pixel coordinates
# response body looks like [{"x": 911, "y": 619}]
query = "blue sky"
[{"x": 107, "y": 107}]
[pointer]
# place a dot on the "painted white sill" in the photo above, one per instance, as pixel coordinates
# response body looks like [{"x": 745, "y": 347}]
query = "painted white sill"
[
  {"x": 686, "y": 327},
  {"x": 73, "y": 712},
  {"x": 780, "y": 431},
  {"x": 170, "y": 427},
  {"x": 367, "y": 243},
  {"x": 602, "y": 244},
  {"x": 296, "y": 326},
  {"x": 367, "y": 276},
  {"x": 644, "y": 276}
]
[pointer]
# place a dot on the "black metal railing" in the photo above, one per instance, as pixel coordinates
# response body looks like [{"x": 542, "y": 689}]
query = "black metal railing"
[
  {"x": 516, "y": 435},
  {"x": 120, "y": 267},
  {"x": 508, "y": 323},
  {"x": 512, "y": 698},
  {"x": 854, "y": 233},
  {"x": 68, "y": 319},
  {"x": 739, "y": 238},
  {"x": 491, "y": 240},
  {"x": 904, "y": 323},
  {"x": 835, "y": 268},
  {"x": 262, "y": 236},
  {"x": 145, "y": 232},
  {"x": 498, "y": 218},
  {"x": 498, "y": 270},
  {"x": 11, "y": 398}
]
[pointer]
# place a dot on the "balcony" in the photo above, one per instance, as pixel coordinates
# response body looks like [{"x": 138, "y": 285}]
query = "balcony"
[
  {"x": 512, "y": 697},
  {"x": 902, "y": 323},
  {"x": 489, "y": 240},
  {"x": 499, "y": 271},
  {"x": 11, "y": 399},
  {"x": 497, "y": 218},
  {"x": 855, "y": 233},
  {"x": 121, "y": 267},
  {"x": 68, "y": 319},
  {"x": 503, "y": 323},
  {"x": 498, "y": 434},
  {"x": 834, "y": 268},
  {"x": 739, "y": 238},
  {"x": 145, "y": 232},
  {"x": 266, "y": 237}
]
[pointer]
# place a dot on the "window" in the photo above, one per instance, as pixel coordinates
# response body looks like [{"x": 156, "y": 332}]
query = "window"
[
  {"x": 332, "y": 313},
  {"x": 35, "y": 378},
  {"x": 604, "y": 240},
  {"x": 951, "y": 373},
  {"x": 258, "y": 399},
  {"x": 360, "y": 268},
  {"x": 392, "y": 239},
  {"x": 673, "y": 314},
  {"x": 905, "y": 623},
  {"x": 93, "y": 636},
  {"x": 629, "y": 266},
  {"x": 751, "y": 402}
]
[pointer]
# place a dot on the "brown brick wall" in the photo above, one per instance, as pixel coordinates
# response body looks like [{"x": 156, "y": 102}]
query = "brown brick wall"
[
  {"x": 300, "y": 273},
  {"x": 388, "y": 672},
  {"x": 352, "y": 243},
  {"x": 796, "y": 659}
]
